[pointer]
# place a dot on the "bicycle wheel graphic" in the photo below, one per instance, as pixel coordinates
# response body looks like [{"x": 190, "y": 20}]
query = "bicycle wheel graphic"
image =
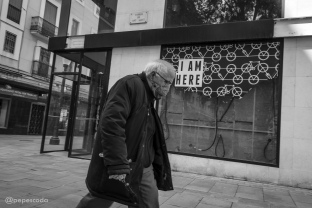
[
  {"x": 231, "y": 56},
  {"x": 276, "y": 69},
  {"x": 231, "y": 68},
  {"x": 263, "y": 67},
  {"x": 206, "y": 68},
  {"x": 216, "y": 57},
  {"x": 207, "y": 91},
  {"x": 224, "y": 47},
  {"x": 175, "y": 58},
  {"x": 195, "y": 48},
  {"x": 273, "y": 45},
  {"x": 239, "y": 46},
  {"x": 207, "y": 79},
  {"x": 246, "y": 67},
  {"x": 263, "y": 55},
  {"x": 277, "y": 54},
  {"x": 221, "y": 91},
  {"x": 170, "y": 50},
  {"x": 237, "y": 91},
  {"x": 215, "y": 68},
  {"x": 210, "y": 48},
  {"x": 183, "y": 49},
  {"x": 237, "y": 79},
  {"x": 256, "y": 46},
  {"x": 253, "y": 79},
  {"x": 188, "y": 56}
]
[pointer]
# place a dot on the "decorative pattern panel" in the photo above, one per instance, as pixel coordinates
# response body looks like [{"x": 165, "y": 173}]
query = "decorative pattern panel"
[
  {"x": 229, "y": 69},
  {"x": 36, "y": 119}
]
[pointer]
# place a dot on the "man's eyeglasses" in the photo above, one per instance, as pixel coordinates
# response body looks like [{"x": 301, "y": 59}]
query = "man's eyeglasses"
[{"x": 166, "y": 81}]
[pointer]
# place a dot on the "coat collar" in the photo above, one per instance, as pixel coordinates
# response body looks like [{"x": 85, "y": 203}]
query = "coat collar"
[{"x": 149, "y": 92}]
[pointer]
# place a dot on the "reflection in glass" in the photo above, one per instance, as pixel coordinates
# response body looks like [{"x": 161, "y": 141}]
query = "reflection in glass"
[
  {"x": 58, "y": 114},
  {"x": 91, "y": 96},
  {"x": 225, "y": 127},
  {"x": 198, "y": 12},
  {"x": 4, "y": 110}
]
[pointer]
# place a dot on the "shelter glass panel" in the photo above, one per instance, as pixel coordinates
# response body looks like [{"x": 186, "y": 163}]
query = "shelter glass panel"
[
  {"x": 58, "y": 115},
  {"x": 92, "y": 92}
]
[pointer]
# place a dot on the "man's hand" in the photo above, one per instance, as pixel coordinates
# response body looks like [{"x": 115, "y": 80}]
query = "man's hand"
[{"x": 121, "y": 177}]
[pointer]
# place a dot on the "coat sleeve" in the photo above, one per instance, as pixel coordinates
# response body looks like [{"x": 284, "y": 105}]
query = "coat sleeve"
[{"x": 112, "y": 128}]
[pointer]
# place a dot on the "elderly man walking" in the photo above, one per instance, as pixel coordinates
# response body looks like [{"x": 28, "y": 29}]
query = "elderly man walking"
[{"x": 129, "y": 162}]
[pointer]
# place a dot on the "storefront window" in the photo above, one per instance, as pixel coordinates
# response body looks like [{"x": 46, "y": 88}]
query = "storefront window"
[
  {"x": 198, "y": 12},
  {"x": 4, "y": 112},
  {"x": 225, "y": 101}
]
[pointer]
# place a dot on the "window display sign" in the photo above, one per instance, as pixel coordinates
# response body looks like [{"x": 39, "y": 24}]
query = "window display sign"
[
  {"x": 217, "y": 70},
  {"x": 190, "y": 73}
]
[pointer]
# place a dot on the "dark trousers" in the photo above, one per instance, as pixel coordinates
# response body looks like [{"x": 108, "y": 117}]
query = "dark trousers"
[{"x": 148, "y": 191}]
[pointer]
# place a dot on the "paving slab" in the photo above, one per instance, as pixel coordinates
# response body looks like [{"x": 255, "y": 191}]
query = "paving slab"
[
  {"x": 224, "y": 188},
  {"x": 200, "y": 185},
  {"x": 26, "y": 174},
  {"x": 184, "y": 200},
  {"x": 215, "y": 202},
  {"x": 301, "y": 197},
  {"x": 278, "y": 197},
  {"x": 181, "y": 182},
  {"x": 303, "y": 205},
  {"x": 249, "y": 193},
  {"x": 69, "y": 200},
  {"x": 56, "y": 193}
]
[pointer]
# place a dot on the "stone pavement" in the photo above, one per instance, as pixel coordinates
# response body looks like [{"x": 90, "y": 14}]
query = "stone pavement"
[{"x": 53, "y": 180}]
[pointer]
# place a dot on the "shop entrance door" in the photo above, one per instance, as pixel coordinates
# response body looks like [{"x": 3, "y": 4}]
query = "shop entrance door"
[
  {"x": 75, "y": 100},
  {"x": 36, "y": 118}
]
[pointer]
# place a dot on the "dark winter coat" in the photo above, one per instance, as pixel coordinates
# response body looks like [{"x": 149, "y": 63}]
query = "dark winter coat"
[{"x": 119, "y": 143}]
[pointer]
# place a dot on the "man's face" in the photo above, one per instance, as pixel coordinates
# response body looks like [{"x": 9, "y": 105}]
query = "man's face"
[{"x": 162, "y": 82}]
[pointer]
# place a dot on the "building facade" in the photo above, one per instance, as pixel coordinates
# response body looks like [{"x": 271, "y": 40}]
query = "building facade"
[
  {"x": 277, "y": 112},
  {"x": 240, "y": 106},
  {"x": 25, "y": 62}
]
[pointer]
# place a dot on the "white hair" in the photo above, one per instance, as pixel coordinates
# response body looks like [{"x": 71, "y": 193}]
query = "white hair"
[{"x": 158, "y": 66}]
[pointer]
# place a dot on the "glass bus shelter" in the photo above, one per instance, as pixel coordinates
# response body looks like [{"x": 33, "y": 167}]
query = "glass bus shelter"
[{"x": 77, "y": 90}]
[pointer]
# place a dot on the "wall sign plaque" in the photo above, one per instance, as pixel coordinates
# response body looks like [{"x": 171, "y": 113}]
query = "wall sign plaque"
[{"x": 138, "y": 18}]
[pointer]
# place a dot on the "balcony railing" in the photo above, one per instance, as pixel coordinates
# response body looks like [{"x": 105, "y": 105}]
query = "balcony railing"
[
  {"x": 41, "y": 69},
  {"x": 43, "y": 27},
  {"x": 109, "y": 15},
  {"x": 14, "y": 14}
]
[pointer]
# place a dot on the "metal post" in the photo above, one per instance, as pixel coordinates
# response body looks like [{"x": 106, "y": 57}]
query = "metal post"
[
  {"x": 48, "y": 105},
  {"x": 55, "y": 140},
  {"x": 75, "y": 107}
]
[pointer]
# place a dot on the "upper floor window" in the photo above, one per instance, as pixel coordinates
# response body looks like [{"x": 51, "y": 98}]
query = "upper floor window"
[
  {"x": 9, "y": 42},
  {"x": 107, "y": 17},
  {"x": 15, "y": 10},
  {"x": 50, "y": 13},
  {"x": 75, "y": 26},
  {"x": 44, "y": 56},
  {"x": 198, "y": 12},
  {"x": 97, "y": 10}
]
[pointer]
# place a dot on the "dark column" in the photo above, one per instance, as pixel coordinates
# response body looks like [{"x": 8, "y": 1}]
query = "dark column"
[{"x": 64, "y": 18}]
